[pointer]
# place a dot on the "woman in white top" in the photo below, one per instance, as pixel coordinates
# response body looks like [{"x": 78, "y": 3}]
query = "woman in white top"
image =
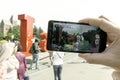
[{"x": 57, "y": 61}]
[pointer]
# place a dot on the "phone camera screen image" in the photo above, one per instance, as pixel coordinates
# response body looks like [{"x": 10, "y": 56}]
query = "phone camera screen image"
[{"x": 75, "y": 37}]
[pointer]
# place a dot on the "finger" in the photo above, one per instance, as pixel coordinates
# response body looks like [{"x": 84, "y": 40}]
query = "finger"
[
  {"x": 91, "y": 21},
  {"x": 113, "y": 47},
  {"x": 95, "y": 58},
  {"x": 104, "y": 17},
  {"x": 104, "y": 24}
]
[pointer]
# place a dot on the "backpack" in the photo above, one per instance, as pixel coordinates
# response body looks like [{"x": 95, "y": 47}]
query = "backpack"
[{"x": 32, "y": 49}]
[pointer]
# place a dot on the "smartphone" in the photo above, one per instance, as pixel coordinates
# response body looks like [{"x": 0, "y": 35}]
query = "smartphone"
[{"x": 75, "y": 37}]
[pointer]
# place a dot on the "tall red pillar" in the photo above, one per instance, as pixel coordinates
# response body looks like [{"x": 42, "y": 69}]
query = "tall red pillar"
[{"x": 26, "y": 32}]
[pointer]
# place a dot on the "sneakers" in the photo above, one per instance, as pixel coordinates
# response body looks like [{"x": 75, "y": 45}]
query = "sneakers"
[{"x": 35, "y": 68}]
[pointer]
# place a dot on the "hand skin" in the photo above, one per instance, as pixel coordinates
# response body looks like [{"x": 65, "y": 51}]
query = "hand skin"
[{"x": 111, "y": 55}]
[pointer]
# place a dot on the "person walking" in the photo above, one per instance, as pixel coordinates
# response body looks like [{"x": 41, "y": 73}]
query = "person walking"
[
  {"x": 35, "y": 54},
  {"x": 56, "y": 59},
  {"x": 22, "y": 63}
]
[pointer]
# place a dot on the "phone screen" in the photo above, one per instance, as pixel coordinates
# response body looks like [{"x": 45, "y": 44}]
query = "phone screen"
[{"x": 75, "y": 37}]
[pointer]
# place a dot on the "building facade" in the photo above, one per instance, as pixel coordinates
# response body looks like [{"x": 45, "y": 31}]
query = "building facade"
[{"x": 4, "y": 27}]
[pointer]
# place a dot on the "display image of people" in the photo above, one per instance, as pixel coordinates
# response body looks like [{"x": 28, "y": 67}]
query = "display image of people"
[
  {"x": 97, "y": 39},
  {"x": 57, "y": 37},
  {"x": 91, "y": 41},
  {"x": 78, "y": 42},
  {"x": 77, "y": 38}
]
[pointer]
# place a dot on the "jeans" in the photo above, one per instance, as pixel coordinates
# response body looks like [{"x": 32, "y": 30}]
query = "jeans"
[
  {"x": 57, "y": 71},
  {"x": 35, "y": 59}
]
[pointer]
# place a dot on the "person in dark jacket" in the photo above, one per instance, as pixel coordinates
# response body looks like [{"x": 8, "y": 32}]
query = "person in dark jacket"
[
  {"x": 35, "y": 55},
  {"x": 22, "y": 63}
]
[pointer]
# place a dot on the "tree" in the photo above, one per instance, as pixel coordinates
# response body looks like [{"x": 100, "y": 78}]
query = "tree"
[
  {"x": 37, "y": 31},
  {"x": 1, "y": 36},
  {"x": 9, "y": 34},
  {"x": 14, "y": 32},
  {"x": 40, "y": 30}
]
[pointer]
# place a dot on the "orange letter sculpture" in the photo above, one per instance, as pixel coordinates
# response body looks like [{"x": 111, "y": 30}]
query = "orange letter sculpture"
[
  {"x": 43, "y": 42},
  {"x": 26, "y": 32}
]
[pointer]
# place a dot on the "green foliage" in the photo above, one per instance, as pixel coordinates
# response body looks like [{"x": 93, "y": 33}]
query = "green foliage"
[
  {"x": 1, "y": 36},
  {"x": 37, "y": 31},
  {"x": 9, "y": 35},
  {"x": 14, "y": 33},
  {"x": 40, "y": 30}
]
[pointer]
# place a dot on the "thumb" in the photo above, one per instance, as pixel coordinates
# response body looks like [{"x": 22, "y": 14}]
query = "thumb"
[
  {"x": 104, "y": 17},
  {"x": 102, "y": 23}
]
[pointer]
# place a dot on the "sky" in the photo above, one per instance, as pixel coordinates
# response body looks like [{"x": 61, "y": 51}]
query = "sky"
[{"x": 66, "y": 10}]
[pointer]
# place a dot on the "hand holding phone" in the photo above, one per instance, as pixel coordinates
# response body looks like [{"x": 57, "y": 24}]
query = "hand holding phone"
[
  {"x": 75, "y": 37},
  {"x": 110, "y": 57}
]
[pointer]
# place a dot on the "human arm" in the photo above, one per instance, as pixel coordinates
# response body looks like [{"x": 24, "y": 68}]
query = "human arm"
[
  {"x": 51, "y": 57},
  {"x": 25, "y": 62}
]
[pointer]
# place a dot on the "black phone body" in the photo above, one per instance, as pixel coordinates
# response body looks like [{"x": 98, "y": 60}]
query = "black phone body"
[{"x": 75, "y": 37}]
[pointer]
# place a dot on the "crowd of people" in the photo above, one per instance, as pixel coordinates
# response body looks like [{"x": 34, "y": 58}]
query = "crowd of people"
[{"x": 13, "y": 63}]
